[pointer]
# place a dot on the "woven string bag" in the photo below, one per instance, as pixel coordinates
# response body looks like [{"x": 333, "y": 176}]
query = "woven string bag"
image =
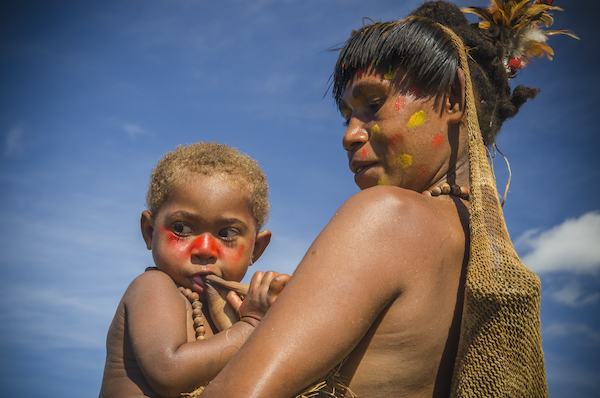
[{"x": 500, "y": 347}]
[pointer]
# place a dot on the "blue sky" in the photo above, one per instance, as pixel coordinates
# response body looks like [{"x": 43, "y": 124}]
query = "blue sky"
[{"x": 94, "y": 93}]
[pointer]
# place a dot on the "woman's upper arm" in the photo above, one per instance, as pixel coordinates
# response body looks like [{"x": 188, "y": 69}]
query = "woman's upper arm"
[{"x": 347, "y": 277}]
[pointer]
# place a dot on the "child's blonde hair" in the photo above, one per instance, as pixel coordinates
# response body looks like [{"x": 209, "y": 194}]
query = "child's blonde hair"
[{"x": 210, "y": 158}]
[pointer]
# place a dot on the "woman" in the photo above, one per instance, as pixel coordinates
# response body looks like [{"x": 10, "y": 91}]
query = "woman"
[{"x": 413, "y": 286}]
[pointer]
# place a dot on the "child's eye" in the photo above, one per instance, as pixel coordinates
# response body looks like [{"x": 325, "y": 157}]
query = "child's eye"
[
  {"x": 181, "y": 229},
  {"x": 228, "y": 233}
]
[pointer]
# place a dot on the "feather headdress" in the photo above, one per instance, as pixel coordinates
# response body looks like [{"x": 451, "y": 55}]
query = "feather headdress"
[{"x": 517, "y": 24}]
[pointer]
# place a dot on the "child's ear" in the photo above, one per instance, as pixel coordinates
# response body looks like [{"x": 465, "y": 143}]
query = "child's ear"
[
  {"x": 260, "y": 244},
  {"x": 147, "y": 224},
  {"x": 455, "y": 102}
]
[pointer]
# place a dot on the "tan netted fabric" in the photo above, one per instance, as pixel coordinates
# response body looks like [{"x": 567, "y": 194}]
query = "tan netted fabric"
[{"x": 500, "y": 348}]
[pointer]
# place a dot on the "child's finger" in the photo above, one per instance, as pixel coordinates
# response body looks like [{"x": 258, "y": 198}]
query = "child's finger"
[
  {"x": 235, "y": 301},
  {"x": 278, "y": 283}
]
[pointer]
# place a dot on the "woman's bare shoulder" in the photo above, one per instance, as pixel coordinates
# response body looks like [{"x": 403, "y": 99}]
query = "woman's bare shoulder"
[{"x": 405, "y": 216}]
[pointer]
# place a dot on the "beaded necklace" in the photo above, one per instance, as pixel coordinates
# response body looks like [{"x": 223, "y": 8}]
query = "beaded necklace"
[
  {"x": 196, "y": 311},
  {"x": 447, "y": 189}
]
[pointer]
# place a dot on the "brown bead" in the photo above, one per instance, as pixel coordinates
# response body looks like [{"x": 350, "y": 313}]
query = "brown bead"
[
  {"x": 197, "y": 312},
  {"x": 197, "y": 304},
  {"x": 200, "y": 337},
  {"x": 455, "y": 190},
  {"x": 199, "y": 321},
  {"x": 200, "y": 330},
  {"x": 181, "y": 289},
  {"x": 186, "y": 292},
  {"x": 193, "y": 296},
  {"x": 436, "y": 191},
  {"x": 446, "y": 188}
]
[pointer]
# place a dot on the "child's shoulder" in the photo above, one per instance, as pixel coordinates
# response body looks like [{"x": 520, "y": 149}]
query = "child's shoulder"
[
  {"x": 152, "y": 275},
  {"x": 152, "y": 281}
]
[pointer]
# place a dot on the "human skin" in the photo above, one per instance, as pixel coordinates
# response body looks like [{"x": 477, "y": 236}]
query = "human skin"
[
  {"x": 382, "y": 284},
  {"x": 205, "y": 227}
]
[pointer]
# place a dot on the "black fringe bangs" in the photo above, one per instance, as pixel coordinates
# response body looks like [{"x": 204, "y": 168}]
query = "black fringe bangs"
[{"x": 417, "y": 45}]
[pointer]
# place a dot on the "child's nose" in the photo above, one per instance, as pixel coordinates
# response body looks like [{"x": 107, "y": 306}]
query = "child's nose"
[{"x": 205, "y": 246}]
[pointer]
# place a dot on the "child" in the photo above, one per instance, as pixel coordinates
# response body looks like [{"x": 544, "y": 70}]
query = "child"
[{"x": 206, "y": 204}]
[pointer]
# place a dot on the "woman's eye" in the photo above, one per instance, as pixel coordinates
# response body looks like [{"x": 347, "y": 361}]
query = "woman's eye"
[
  {"x": 228, "y": 233},
  {"x": 375, "y": 104},
  {"x": 181, "y": 229}
]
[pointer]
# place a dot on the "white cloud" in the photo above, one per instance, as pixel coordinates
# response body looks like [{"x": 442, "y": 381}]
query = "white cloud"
[
  {"x": 579, "y": 331},
  {"x": 13, "y": 143},
  {"x": 573, "y": 246},
  {"x": 573, "y": 294},
  {"x": 133, "y": 130}
]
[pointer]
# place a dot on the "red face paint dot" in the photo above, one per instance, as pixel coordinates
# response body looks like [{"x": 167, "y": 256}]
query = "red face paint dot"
[
  {"x": 396, "y": 139},
  {"x": 416, "y": 90},
  {"x": 399, "y": 103},
  {"x": 421, "y": 171},
  {"x": 437, "y": 141},
  {"x": 363, "y": 153},
  {"x": 359, "y": 73}
]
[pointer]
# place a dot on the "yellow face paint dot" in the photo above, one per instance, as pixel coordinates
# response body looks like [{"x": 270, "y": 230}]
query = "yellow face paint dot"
[
  {"x": 404, "y": 161},
  {"x": 383, "y": 181},
  {"x": 417, "y": 119},
  {"x": 390, "y": 75},
  {"x": 375, "y": 133}
]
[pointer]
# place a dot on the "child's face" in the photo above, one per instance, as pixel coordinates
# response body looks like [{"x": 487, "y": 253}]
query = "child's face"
[{"x": 204, "y": 227}]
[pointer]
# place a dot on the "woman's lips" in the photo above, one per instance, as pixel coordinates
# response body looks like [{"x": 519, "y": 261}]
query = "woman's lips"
[{"x": 361, "y": 169}]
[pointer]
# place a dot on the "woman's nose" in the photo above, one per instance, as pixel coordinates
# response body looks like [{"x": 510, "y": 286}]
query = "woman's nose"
[
  {"x": 355, "y": 135},
  {"x": 205, "y": 246}
]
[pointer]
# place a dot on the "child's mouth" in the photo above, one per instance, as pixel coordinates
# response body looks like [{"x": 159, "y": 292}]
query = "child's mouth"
[{"x": 198, "y": 283}]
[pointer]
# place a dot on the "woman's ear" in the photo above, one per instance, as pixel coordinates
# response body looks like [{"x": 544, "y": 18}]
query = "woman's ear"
[
  {"x": 455, "y": 102},
  {"x": 260, "y": 244},
  {"x": 147, "y": 224}
]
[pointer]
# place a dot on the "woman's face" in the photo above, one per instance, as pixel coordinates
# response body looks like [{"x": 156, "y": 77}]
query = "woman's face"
[{"x": 393, "y": 138}]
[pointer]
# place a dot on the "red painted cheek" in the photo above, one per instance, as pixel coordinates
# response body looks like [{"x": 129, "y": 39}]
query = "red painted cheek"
[
  {"x": 437, "y": 141},
  {"x": 178, "y": 247},
  {"x": 234, "y": 254},
  {"x": 400, "y": 102}
]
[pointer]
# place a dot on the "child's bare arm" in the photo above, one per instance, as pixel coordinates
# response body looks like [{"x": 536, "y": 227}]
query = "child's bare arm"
[{"x": 156, "y": 323}]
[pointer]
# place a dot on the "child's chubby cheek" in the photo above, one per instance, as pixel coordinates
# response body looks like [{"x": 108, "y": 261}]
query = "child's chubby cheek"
[{"x": 175, "y": 245}]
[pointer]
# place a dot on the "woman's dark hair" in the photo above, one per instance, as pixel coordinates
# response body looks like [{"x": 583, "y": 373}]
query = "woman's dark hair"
[{"x": 426, "y": 53}]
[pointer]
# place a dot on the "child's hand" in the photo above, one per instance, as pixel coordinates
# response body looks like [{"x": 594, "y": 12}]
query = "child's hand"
[
  {"x": 218, "y": 292},
  {"x": 264, "y": 289}
]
